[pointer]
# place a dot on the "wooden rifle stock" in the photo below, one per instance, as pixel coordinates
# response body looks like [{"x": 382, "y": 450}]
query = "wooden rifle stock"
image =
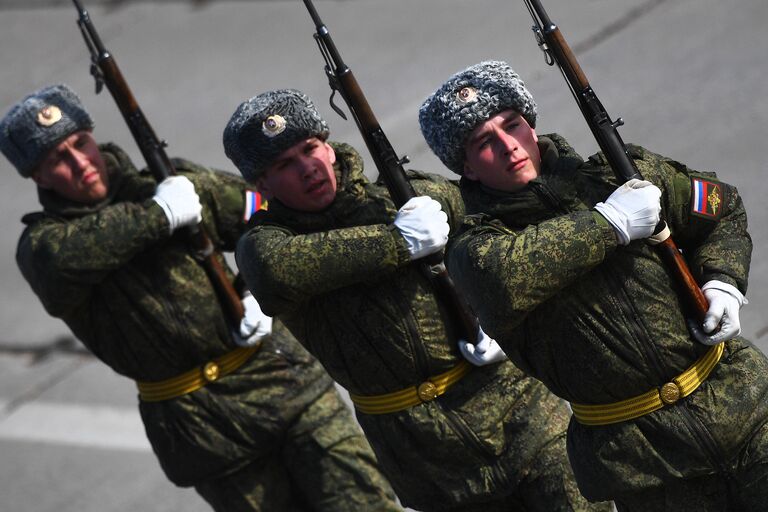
[
  {"x": 557, "y": 51},
  {"x": 105, "y": 71},
  {"x": 390, "y": 168}
]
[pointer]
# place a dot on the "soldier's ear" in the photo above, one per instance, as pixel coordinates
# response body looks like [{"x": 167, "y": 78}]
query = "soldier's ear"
[
  {"x": 262, "y": 185},
  {"x": 331, "y": 153},
  {"x": 469, "y": 173},
  {"x": 40, "y": 179}
]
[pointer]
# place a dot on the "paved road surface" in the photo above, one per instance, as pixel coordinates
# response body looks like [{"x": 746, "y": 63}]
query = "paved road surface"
[{"x": 688, "y": 77}]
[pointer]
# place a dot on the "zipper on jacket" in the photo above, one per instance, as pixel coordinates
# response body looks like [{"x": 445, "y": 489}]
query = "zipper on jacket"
[
  {"x": 421, "y": 361},
  {"x": 701, "y": 434},
  {"x": 464, "y": 432},
  {"x": 652, "y": 355},
  {"x": 420, "y": 356},
  {"x": 549, "y": 197},
  {"x": 647, "y": 345},
  {"x": 170, "y": 306},
  {"x": 703, "y": 437}
]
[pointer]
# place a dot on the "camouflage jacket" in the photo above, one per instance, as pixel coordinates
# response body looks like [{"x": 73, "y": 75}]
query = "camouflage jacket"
[
  {"x": 139, "y": 300},
  {"x": 598, "y": 324},
  {"x": 343, "y": 283}
]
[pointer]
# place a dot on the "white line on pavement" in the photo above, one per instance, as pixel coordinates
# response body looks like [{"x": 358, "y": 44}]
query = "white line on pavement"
[{"x": 96, "y": 426}]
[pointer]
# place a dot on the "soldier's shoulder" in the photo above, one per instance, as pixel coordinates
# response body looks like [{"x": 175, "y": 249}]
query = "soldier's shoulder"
[
  {"x": 199, "y": 172},
  {"x": 37, "y": 226},
  {"x": 635, "y": 152},
  {"x": 184, "y": 165},
  {"x": 426, "y": 183},
  {"x": 33, "y": 218}
]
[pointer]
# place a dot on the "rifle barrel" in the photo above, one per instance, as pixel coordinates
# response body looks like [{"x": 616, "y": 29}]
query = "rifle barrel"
[
  {"x": 613, "y": 147},
  {"x": 391, "y": 171},
  {"x": 157, "y": 160}
]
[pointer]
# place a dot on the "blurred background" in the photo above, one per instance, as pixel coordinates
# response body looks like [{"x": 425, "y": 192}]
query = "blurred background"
[{"x": 687, "y": 76}]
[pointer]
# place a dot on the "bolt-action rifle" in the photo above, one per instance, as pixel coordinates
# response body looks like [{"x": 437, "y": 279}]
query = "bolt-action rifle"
[
  {"x": 341, "y": 79},
  {"x": 105, "y": 71},
  {"x": 557, "y": 51}
]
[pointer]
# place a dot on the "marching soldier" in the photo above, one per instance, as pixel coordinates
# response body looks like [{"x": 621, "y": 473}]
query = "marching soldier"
[
  {"x": 248, "y": 418},
  {"x": 556, "y": 265}
]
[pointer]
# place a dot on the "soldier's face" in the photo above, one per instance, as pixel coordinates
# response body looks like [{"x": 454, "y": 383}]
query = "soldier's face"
[
  {"x": 503, "y": 152},
  {"x": 74, "y": 169},
  {"x": 302, "y": 176}
]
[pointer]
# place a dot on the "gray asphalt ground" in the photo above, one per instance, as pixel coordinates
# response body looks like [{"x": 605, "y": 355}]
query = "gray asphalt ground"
[{"x": 689, "y": 77}]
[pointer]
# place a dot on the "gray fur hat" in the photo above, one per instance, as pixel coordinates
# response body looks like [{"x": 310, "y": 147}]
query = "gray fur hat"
[
  {"x": 268, "y": 124},
  {"x": 38, "y": 123},
  {"x": 467, "y": 99}
]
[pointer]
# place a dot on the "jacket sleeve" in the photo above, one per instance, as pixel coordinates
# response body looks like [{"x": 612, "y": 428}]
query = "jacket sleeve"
[
  {"x": 283, "y": 269},
  {"x": 228, "y": 201},
  {"x": 716, "y": 247},
  {"x": 506, "y": 274},
  {"x": 62, "y": 258}
]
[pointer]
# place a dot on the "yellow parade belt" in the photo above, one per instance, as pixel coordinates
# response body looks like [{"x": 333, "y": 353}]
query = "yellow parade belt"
[
  {"x": 669, "y": 393},
  {"x": 196, "y": 378},
  {"x": 427, "y": 391}
]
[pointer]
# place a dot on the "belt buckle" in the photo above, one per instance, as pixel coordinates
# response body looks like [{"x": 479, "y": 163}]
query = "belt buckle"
[
  {"x": 670, "y": 393},
  {"x": 427, "y": 391},
  {"x": 211, "y": 371}
]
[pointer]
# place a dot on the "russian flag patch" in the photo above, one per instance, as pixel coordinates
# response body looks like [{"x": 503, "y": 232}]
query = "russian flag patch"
[
  {"x": 253, "y": 203},
  {"x": 707, "y": 198}
]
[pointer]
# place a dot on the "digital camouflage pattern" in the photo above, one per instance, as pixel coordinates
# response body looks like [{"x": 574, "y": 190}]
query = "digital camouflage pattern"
[
  {"x": 343, "y": 283},
  {"x": 598, "y": 324},
  {"x": 140, "y": 301}
]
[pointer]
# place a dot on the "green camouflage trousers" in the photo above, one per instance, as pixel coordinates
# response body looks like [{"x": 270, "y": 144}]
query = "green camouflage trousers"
[
  {"x": 548, "y": 487},
  {"x": 325, "y": 464},
  {"x": 743, "y": 487}
]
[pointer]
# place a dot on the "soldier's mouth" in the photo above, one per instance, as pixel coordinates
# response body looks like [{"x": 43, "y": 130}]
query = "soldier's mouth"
[
  {"x": 91, "y": 177},
  {"x": 315, "y": 186},
  {"x": 517, "y": 165}
]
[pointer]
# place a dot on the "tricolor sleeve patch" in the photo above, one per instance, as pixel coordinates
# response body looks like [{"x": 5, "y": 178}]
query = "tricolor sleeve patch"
[
  {"x": 707, "y": 198},
  {"x": 253, "y": 203}
]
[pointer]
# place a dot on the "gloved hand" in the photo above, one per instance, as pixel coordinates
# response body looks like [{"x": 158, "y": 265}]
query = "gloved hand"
[
  {"x": 633, "y": 210},
  {"x": 177, "y": 197},
  {"x": 424, "y": 225},
  {"x": 255, "y": 324},
  {"x": 725, "y": 301},
  {"x": 486, "y": 351}
]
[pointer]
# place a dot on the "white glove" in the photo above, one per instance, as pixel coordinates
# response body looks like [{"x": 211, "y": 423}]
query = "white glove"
[
  {"x": 255, "y": 324},
  {"x": 486, "y": 351},
  {"x": 177, "y": 197},
  {"x": 725, "y": 301},
  {"x": 424, "y": 225},
  {"x": 633, "y": 210}
]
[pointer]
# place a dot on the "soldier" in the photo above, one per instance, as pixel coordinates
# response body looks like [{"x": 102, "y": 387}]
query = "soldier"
[
  {"x": 332, "y": 257},
  {"x": 555, "y": 265},
  {"x": 252, "y": 421}
]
